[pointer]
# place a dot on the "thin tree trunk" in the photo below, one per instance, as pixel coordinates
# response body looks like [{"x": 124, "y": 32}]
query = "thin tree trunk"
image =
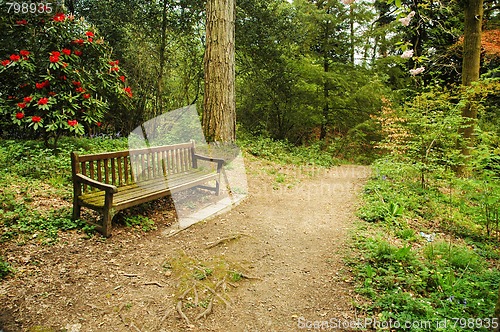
[
  {"x": 163, "y": 45},
  {"x": 351, "y": 26},
  {"x": 219, "y": 116},
  {"x": 470, "y": 70},
  {"x": 326, "y": 85},
  {"x": 497, "y": 312},
  {"x": 326, "y": 95}
]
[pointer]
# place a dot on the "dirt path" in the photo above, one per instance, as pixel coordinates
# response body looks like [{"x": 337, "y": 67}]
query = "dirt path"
[{"x": 292, "y": 239}]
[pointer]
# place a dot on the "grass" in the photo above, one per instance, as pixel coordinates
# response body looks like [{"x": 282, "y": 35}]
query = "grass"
[
  {"x": 283, "y": 152},
  {"x": 424, "y": 253},
  {"x": 202, "y": 281},
  {"x": 31, "y": 174}
]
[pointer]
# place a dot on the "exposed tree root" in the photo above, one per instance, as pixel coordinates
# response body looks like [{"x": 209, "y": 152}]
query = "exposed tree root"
[
  {"x": 181, "y": 313},
  {"x": 225, "y": 239},
  {"x": 207, "y": 311}
]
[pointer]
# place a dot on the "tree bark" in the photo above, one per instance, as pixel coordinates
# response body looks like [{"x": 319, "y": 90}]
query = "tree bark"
[
  {"x": 470, "y": 70},
  {"x": 497, "y": 312},
  {"x": 219, "y": 116},
  {"x": 161, "y": 69}
]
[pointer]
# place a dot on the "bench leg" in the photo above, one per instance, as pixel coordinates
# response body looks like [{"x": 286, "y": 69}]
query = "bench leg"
[
  {"x": 107, "y": 215},
  {"x": 106, "y": 223},
  {"x": 217, "y": 187},
  {"x": 76, "y": 210}
]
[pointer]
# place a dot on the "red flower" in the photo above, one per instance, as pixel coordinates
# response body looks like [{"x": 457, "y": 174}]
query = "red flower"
[
  {"x": 122, "y": 78},
  {"x": 63, "y": 77},
  {"x": 15, "y": 57},
  {"x": 78, "y": 41},
  {"x": 76, "y": 83},
  {"x": 80, "y": 89},
  {"x": 114, "y": 63},
  {"x": 23, "y": 85},
  {"x": 128, "y": 91},
  {"x": 66, "y": 51},
  {"x": 27, "y": 99},
  {"x": 36, "y": 119},
  {"x": 89, "y": 34},
  {"x": 78, "y": 53},
  {"x": 86, "y": 96},
  {"x": 72, "y": 123},
  {"x": 5, "y": 63},
  {"x": 42, "y": 85},
  {"x": 55, "y": 53},
  {"x": 115, "y": 69},
  {"x": 59, "y": 17},
  {"x": 21, "y": 105},
  {"x": 24, "y": 53},
  {"x": 22, "y": 22},
  {"x": 19, "y": 115},
  {"x": 54, "y": 58},
  {"x": 52, "y": 93},
  {"x": 90, "y": 40},
  {"x": 43, "y": 101},
  {"x": 98, "y": 124}
]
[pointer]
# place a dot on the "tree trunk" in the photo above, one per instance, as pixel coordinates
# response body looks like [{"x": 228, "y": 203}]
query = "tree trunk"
[
  {"x": 71, "y": 6},
  {"x": 219, "y": 116},
  {"x": 470, "y": 70},
  {"x": 351, "y": 27},
  {"x": 326, "y": 94},
  {"x": 497, "y": 312},
  {"x": 161, "y": 69}
]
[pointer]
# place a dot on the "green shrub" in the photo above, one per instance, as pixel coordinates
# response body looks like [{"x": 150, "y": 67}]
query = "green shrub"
[{"x": 5, "y": 268}]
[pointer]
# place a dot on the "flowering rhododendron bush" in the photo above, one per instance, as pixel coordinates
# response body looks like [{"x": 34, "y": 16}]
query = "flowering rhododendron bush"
[{"x": 57, "y": 75}]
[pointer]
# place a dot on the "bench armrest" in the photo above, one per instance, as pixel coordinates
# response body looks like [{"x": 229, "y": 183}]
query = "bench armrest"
[
  {"x": 109, "y": 188},
  {"x": 215, "y": 160},
  {"x": 219, "y": 161}
]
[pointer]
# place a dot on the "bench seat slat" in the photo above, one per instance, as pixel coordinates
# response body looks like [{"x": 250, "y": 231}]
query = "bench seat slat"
[{"x": 132, "y": 193}]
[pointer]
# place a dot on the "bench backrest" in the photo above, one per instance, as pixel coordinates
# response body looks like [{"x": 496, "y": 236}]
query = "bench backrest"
[{"x": 130, "y": 166}]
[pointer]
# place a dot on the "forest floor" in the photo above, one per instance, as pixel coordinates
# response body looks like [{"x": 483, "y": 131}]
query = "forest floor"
[{"x": 273, "y": 263}]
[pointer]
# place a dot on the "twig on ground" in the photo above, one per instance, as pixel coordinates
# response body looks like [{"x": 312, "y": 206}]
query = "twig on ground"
[
  {"x": 183, "y": 316},
  {"x": 135, "y": 327},
  {"x": 232, "y": 285},
  {"x": 244, "y": 276},
  {"x": 186, "y": 292},
  {"x": 130, "y": 275},
  {"x": 225, "y": 239},
  {"x": 215, "y": 293},
  {"x": 153, "y": 283},
  {"x": 165, "y": 316},
  {"x": 196, "y": 299},
  {"x": 207, "y": 311}
]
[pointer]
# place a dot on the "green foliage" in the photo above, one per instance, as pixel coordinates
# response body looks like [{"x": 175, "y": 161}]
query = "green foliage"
[
  {"x": 60, "y": 75},
  {"x": 286, "y": 153},
  {"x": 140, "y": 222},
  {"x": 161, "y": 45},
  {"x": 5, "y": 268},
  {"x": 31, "y": 173},
  {"x": 409, "y": 274}
]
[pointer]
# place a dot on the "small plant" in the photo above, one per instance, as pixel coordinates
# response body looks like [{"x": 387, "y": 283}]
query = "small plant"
[
  {"x": 202, "y": 274},
  {"x": 137, "y": 221},
  {"x": 5, "y": 268},
  {"x": 235, "y": 276}
]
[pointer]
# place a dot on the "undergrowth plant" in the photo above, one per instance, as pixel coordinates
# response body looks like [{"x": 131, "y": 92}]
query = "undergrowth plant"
[
  {"x": 31, "y": 173},
  {"x": 426, "y": 254}
]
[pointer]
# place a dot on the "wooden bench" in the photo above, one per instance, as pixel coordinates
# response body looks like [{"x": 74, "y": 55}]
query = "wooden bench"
[{"x": 110, "y": 182}]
